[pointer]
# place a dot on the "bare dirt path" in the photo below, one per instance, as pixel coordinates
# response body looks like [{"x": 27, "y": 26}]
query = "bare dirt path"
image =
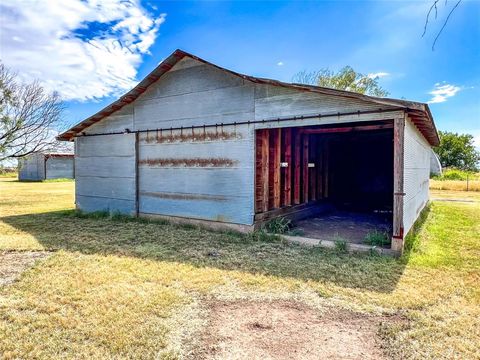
[
  {"x": 13, "y": 263},
  {"x": 288, "y": 330}
]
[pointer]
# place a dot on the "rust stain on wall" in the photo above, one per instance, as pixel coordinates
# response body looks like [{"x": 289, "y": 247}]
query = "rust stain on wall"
[
  {"x": 184, "y": 196},
  {"x": 186, "y": 136},
  {"x": 189, "y": 162}
]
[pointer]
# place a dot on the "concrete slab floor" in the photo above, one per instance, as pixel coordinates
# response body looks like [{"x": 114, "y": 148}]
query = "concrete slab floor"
[{"x": 345, "y": 225}]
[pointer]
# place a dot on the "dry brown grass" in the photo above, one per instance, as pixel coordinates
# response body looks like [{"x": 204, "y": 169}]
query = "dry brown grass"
[
  {"x": 117, "y": 288},
  {"x": 455, "y": 185}
]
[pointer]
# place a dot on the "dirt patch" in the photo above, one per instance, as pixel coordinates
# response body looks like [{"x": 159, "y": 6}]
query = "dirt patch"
[
  {"x": 288, "y": 330},
  {"x": 13, "y": 263}
]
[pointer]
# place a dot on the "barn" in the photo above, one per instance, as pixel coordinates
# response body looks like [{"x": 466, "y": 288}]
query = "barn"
[
  {"x": 40, "y": 166},
  {"x": 194, "y": 142}
]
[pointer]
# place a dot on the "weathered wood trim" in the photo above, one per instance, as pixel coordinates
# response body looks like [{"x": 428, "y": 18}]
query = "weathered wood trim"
[
  {"x": 296, "y": 177},
  {"x": 287, "y": 180},
  {"x": 264, "y": 166},
  {"x": 326, "y": 169},
  {"x": 313, "y": 172},
  {"x": 347, "y": 129},
  {"x": 277, "y": 150},
  {"x": 306, "y": 182},
  {"x": 398, "y": 188},
  {"x": 319, "y": 171}
]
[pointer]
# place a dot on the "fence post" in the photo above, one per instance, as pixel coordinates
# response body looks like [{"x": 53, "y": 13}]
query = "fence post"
[{"x": 467, "y": 181}]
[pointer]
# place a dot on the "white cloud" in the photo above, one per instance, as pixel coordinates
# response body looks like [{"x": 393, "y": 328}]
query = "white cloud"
[
  {"x": 378, "y": 75},
  {"x": 280, "y": 63},
  {"x": 84, "y": 49},
  {"x": 442, "y": 91},
  {"x": 476, "y": 139}
]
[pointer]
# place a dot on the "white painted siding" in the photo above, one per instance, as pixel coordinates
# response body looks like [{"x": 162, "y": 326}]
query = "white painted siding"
[{"x": 416, "y": 174}]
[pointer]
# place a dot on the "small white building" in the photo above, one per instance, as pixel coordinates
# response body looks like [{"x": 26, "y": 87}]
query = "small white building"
[{"x": 42, "y": 166}]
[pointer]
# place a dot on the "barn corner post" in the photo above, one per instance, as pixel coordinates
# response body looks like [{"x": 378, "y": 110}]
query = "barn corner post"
[
  {"x": 398, "y": 235},
  {"x": 137, "y": 185}
]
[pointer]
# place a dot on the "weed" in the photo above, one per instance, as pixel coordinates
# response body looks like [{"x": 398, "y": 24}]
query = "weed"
[
  {"x": 377, "y": 238},
  {"x": 341, "y": 245},
  {"x": 279, "y": 225}
]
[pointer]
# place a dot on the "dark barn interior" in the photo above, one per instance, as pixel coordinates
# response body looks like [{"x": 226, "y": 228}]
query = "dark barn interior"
[{"x": 333, "y": 182}]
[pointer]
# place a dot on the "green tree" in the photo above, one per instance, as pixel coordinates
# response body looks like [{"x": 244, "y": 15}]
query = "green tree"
[
  {"x": 345, "y": 79},
  {"x": 458, "y": 151}
]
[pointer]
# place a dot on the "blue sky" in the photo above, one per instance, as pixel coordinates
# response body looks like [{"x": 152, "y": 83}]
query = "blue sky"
[{"x": 91, "y": 51}]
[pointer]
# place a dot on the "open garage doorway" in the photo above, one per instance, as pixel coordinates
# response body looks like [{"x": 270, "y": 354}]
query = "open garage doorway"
[{"x": 334, "y": 182}]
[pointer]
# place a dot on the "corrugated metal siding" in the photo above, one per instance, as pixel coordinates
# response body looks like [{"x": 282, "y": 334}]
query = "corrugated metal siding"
[
  {"x": 416, "y": 174},
  {"x": 105, "y": 173},
  {"x": 32, "y": 168},
  {"x": 199, "y": 177},
  {"x": 119, "y": 121},
  {"x": 273, "y": 101},
  {"x": 208, "y": 175},
  {"x": 59, "y": 168}
]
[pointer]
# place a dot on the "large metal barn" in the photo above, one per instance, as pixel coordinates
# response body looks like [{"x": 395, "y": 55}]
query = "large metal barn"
[{"x": 198, "y": 143}]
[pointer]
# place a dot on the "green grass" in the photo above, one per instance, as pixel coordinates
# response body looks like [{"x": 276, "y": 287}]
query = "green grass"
[
  {"x": 122, "y": 288},
  {"x": 456, "y": 174},
  {"x": 8, "y": 174}
]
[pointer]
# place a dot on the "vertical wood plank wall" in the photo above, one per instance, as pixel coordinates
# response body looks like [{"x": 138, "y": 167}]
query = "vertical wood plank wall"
[
  {"x": 294, "y": 183},
  {"x": 287, "y": 174},
  {"x": 276, "y": 146}
]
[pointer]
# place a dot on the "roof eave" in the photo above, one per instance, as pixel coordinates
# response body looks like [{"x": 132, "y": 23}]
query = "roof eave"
[{"x": 178, "y": 54}]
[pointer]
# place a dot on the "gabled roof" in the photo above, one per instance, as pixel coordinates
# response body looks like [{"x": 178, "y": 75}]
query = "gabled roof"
[{"x": 418, "y": 112}]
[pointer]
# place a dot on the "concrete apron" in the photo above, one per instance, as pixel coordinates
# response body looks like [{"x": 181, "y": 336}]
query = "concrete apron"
[{"x": 351, "y": 247}]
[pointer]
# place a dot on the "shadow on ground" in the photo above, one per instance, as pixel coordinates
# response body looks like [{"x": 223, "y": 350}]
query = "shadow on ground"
[{"x": 203, "y": 248}]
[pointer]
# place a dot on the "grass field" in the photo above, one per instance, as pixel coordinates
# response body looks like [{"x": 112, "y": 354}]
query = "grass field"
[
  {"x": 120, "y": 288},
  {"x": 455, "y": 185}
]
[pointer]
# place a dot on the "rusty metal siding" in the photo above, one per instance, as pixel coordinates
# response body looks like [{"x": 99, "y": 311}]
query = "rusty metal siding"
[
  {"x": 197, "y": 176},
  {"x": 416, "y": 174},
  {"x": 59, "y": 168},
  {"x": 105, "y": 173}
]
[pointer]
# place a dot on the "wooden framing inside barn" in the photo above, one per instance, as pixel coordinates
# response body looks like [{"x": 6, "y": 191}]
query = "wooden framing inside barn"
[{"x": 195, "y": 142}]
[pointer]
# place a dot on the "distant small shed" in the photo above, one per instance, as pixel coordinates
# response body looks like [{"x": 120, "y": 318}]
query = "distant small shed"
[
  {"x": 194, "y": 142},
  {"x": 43, "y": 166}
]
